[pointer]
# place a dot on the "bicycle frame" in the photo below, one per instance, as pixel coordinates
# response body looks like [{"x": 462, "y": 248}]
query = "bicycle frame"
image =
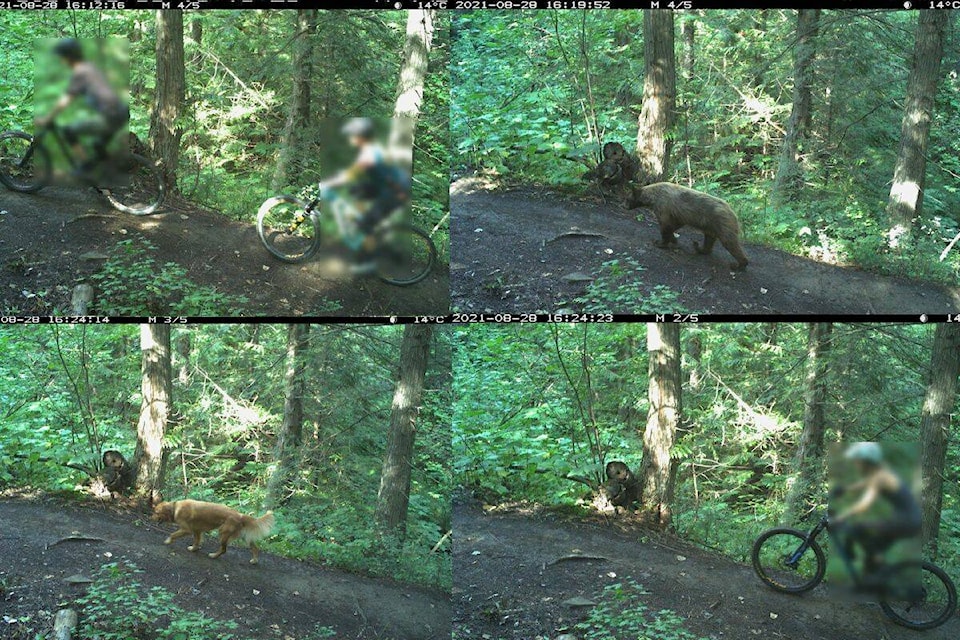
[
  {"x": 814, "y": 533},
  {"x": 340, "y": 208}
]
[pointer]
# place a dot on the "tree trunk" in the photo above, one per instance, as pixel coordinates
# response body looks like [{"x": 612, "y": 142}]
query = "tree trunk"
[
  {"x": 659, "y": 96},
  {"x": 165, "y": 129},
  {"x": 657, "y": 471},
  {"x": 906, "y": 193},
  {"x": 789, "y": 177},
  {"x": 156, "y": 385},
  {"x": 293, "y": 144},
  {"x": 291, "y": 431},
  {"x": 808, "y": 461},
  {"x": 406, "y": 110},
  {"x": 938, "y": 404},
  {"x": 394, "y": 495}
]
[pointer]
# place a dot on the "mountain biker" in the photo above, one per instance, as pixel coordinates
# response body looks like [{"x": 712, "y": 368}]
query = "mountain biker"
[
  {"x": 111, "y": 112},
  {"x": 383, "y": 185},
  {"x": 878, "y": 481}
]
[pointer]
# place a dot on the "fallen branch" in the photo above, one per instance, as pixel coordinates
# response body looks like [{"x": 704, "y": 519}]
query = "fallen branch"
[
  {"x": 577, "y": 556},
  {"x": 64, "y": 624},
  {"x": 83, "y": 216},
  {"x": 943, "y": 255},
  {"x": 584, "y": 234},
  {"x": 75, "y": 539},
  {"x": 441, "y": 541}
]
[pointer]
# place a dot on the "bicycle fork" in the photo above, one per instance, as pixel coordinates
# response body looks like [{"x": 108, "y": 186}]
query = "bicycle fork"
[{"x": 300, "y": 218}]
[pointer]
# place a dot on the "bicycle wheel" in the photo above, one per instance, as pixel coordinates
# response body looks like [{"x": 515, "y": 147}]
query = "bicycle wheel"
[
  {"x": 778, "y": 560},
  {"x": 405, "y": 254},
  {"x": 23, "y": 166},
  {"x": 918, "y": 595},
  {"x": 138, "y": 189},
  {"x": 287, "y": 230}
]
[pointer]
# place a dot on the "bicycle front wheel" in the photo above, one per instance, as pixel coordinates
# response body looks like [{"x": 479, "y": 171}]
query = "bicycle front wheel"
[
  {"x": 785, "y": 561},
  {"x": 139, "y": 189},
  {"x": 405, "y": 254},
  {"x": 24, "y": 166},
  {"x": 287, "y": 229},
  {"x": 918, "y": 595}
]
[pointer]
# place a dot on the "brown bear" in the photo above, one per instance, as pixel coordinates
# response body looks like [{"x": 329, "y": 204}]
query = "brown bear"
[
  {"x": 622, "y": 487},
  {"x": 617, "y": 167},
  {"x": 676, "y": 206}
]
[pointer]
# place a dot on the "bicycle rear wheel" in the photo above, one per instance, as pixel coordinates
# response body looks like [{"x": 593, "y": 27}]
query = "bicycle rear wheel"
[
  {"x": 405, "y": 254},
  {"x": 782, "y": 558},
  {"x": 918, "y": 595},
  {"x": 287, "y": 229},
  {"x": 138, "y": 189},
  {"x": 24, "y": 166}
]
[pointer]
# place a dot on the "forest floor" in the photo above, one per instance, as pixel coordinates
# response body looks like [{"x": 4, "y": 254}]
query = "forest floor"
[
  {"x": 526, "y": 250},
  {"x": 512, "y": 574},
  {"x": 279, "y": 598},
  {"x": 55, "y": 238}
]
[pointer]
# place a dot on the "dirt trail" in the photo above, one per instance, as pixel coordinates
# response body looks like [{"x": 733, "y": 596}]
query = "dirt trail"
[
  {"x": 279, "y": 598},
  {"x": 506, "y": 587},
  {"x": 43, "y": 236},
  {"x": 509, "y": 254}
]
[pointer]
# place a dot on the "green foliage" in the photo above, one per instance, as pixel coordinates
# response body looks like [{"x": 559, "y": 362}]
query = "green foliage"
[
  {"x": 118, "y": 607},
  {"x": 131, "y": 283},
  {"x": 621, "y": 613},
  {"x": 619, "y": 288}
]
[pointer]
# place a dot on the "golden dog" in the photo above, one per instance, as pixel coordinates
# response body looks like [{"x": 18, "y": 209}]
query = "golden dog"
[{"x": 196, "y": 518}]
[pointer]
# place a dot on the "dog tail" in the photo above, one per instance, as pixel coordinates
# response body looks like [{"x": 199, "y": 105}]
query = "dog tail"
[{"x": 257, "y": 528}]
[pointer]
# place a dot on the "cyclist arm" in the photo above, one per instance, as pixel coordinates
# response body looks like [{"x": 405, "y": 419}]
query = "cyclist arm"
[
  {"x": 344, "y": 177},
  {"x": 865, "y": 502},
  {"x": 61, "y": 104},
  {"x": 348, "y": 175}
]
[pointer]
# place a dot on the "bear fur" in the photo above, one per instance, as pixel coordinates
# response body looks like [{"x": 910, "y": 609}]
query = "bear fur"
[{"x": 676, "y": 206}]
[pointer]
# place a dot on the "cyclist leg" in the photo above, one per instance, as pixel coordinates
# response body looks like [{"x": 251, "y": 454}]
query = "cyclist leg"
[
  {"x": 94, "y": 127},
  {"x": 366, "y": 256}
]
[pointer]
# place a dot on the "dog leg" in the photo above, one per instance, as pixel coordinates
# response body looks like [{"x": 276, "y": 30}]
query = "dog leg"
[
  {"x": 255, "y": 552},
  {"x": 222, "y": 550},
  {"x": 196, "y": 542},
  {"x": 177, "y": 534}
]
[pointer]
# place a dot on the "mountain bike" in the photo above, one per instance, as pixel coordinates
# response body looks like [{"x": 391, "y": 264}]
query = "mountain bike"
[
  {"x": 913, "y": 593},
  {"x": 290, "y": 230},
  {"x": 128, "y": 181}
]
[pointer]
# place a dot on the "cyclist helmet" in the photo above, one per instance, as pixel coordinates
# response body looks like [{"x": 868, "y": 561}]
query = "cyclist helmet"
[
  {"x": 69, "y": 49},
  {"x": 865, "y": 452},
  {"x": 361, "y": 127}
]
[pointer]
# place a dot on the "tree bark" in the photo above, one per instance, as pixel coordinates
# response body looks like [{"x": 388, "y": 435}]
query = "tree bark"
[
  {"x": 293, "y": 143},
  {"x": 909, "y": 174},
  {"x": 808, "y": 460},
  {"x": 789, "y": 177},
  {"x": 291, "y": 431},
  {"x": 165, "y": 128},
  {"x": 394, "y": 495},
  {"x": 939, "y": 403},
  {"x": 156, "y": 387},
  {"x": 657, "y": 471},
  {"x": 659, "y": 96},
  {"x": 413, "y": 73}
]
